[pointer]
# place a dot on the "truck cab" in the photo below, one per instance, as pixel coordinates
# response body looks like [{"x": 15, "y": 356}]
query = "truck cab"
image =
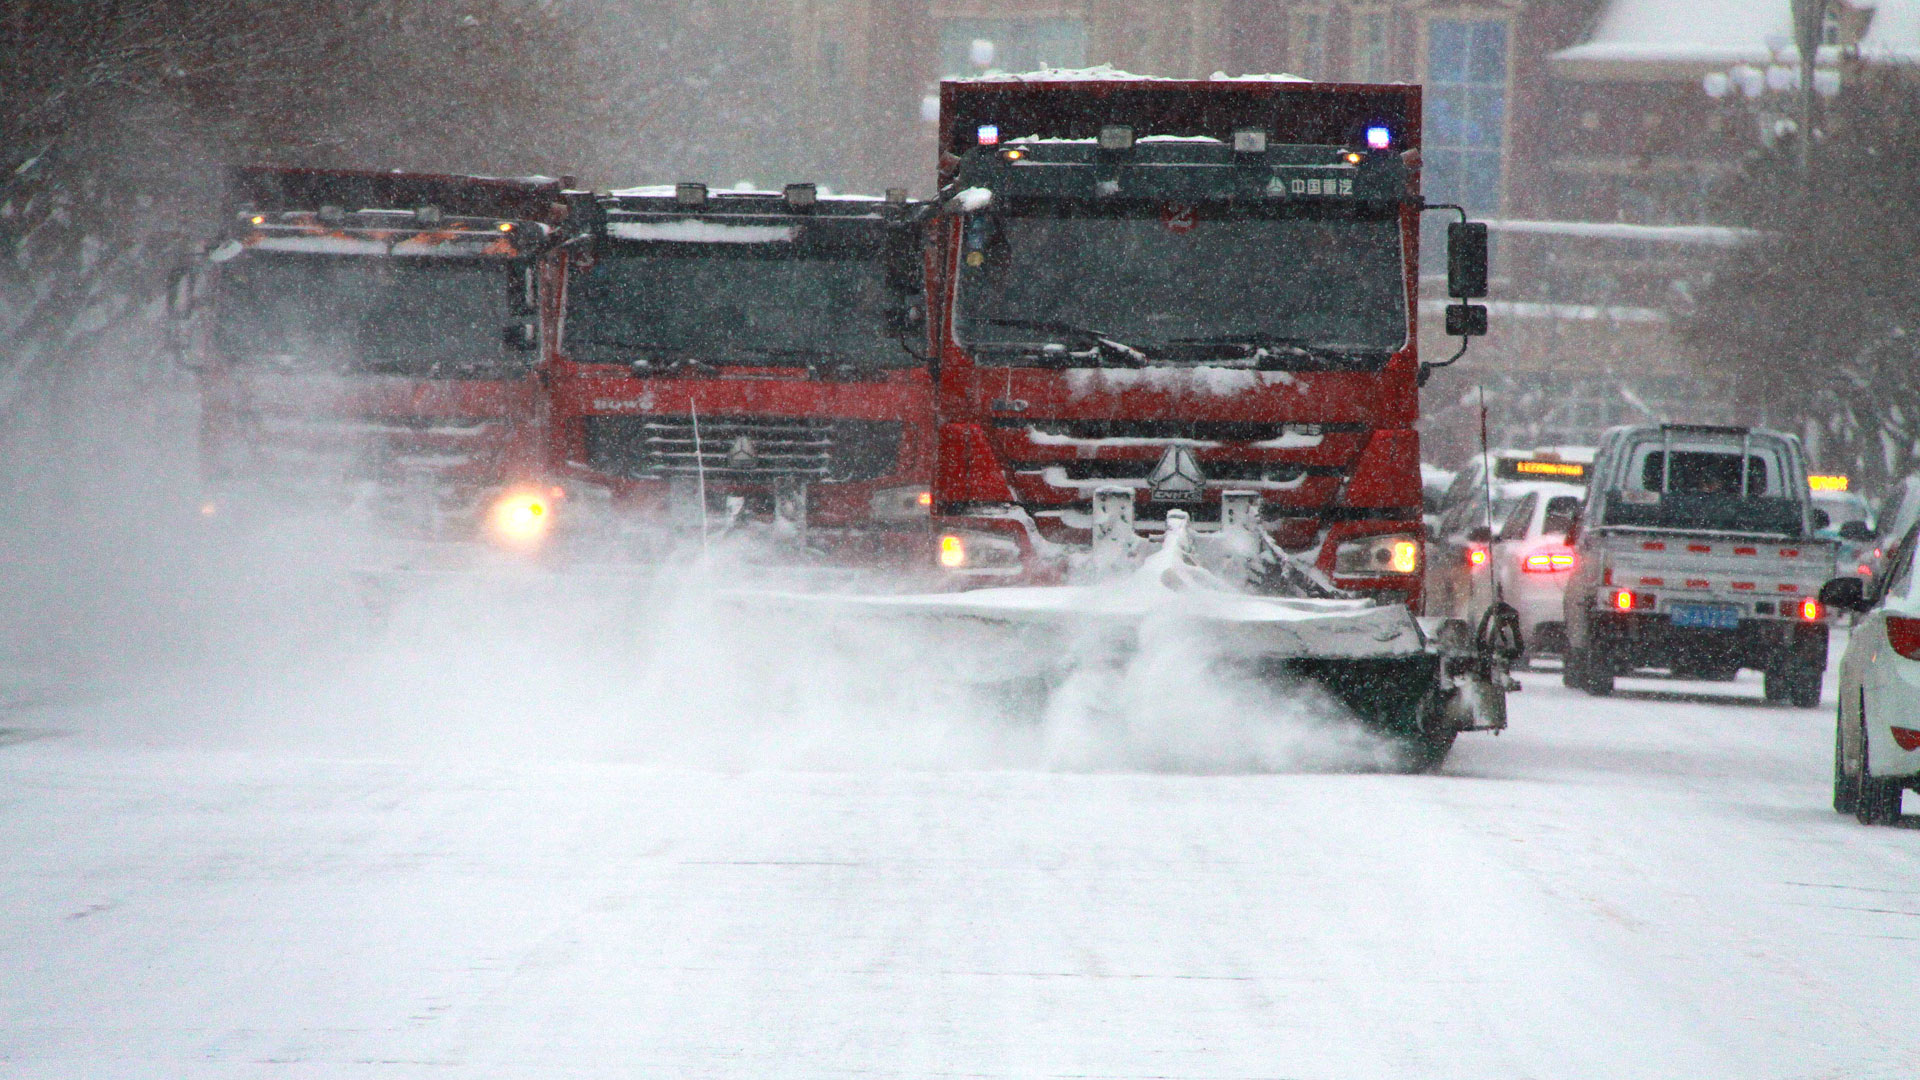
[
  {"x": 1698, "y": 552},
  {"x": 751, "y": 364},
  {"x": 1157, "y": 297},
  {"x": 370, "y": 343}
]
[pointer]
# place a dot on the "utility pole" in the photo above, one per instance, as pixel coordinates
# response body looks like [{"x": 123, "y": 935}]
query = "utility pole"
[{"x": 1809, "y": 21}]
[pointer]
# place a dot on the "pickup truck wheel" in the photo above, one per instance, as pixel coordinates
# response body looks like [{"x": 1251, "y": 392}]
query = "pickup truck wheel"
[
  {"x": 1774, "y": 684},
  {"x": 1804, "y": 690},
  {"x": 1846, "y": 783},
  {"x": 1573, "y": 669},
  {"x": 1596, "y": 672}
]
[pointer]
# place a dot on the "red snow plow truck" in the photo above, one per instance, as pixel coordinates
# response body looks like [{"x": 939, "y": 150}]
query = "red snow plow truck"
[
  {"x": 748, "y": 366},
  {"x": 1184, "y": 312},
  {"x": 368, "y": 347}
]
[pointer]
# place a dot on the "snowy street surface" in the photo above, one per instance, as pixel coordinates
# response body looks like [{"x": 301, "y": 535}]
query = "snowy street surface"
[{"x": 1647, "y": 886}]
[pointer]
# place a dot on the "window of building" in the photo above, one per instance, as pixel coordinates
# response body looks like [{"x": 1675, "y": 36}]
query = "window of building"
[
  {"x": 1466, "y": 106},
  {"x": 1307, "y": 44},
  {"x": 1371, "y": 59},
  {"x": 979, "y": 46}
]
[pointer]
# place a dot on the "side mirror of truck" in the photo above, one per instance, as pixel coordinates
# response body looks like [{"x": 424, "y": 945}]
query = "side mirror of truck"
[
  {"x": 1467, "y": 260},
  {"x": 1844, "y": 594},
  {"x": 521, "y": 336},
  {"x": 1856, "y": 532}
]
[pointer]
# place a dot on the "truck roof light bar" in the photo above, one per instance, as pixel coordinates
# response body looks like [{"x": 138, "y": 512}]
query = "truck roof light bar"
[
  {"x": 988, "y": 134},
  {"x": 1379, "y": 137},
  {"x": 1249, "y": 141},
  {"x": 690, "y": 194},
  {"x": 801, "y": 196},
  {"x": 1116, "y": 137}
]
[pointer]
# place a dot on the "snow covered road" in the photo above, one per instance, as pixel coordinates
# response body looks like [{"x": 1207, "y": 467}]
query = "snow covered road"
[{"x": 1648, "y": 886}]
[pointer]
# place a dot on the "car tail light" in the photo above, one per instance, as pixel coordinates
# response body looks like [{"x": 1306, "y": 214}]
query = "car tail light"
[
  {"x": 1904, "y": 636},
  {"x": 1907, "y": 738},
  {"x": 1810, "y": 610},
  {"x": 1622, "y": 600},
  {"x": 1547, "y": 563},
  {"x": 1476, "y": 556}
]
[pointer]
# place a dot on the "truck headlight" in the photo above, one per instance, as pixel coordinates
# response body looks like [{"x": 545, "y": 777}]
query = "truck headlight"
[
  {"x": 521, "y": 518},
  {"x": 1378, "y": 556},
  {"x": 902, "y": 504},
  {"x": 976, "y": 551}
]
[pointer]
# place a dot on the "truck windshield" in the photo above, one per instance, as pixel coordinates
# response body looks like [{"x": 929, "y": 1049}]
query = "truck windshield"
[
  {"x": 735, "y": 304},
  {"x": 1177, "y": 284},
  {"x": 422, "y": 318}
]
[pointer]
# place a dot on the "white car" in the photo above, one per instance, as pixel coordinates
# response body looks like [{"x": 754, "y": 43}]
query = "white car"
[
  {"x": 1876, "y": 746},
  {"x": 1525, "y": 547}
]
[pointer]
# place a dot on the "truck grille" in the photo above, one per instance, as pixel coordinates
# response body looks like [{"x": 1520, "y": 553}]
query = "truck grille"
[{"x": 751, "y": 448}]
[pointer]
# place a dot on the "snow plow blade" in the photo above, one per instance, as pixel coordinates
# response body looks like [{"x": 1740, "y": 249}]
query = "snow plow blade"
[{"x": 1372, "y": 658}]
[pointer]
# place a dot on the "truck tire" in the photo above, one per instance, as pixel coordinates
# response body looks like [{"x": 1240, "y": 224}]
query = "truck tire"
[
  {"x": 1878, "y": 801},
  {"x": 1804, "y": 690},
  {"x": 1573, "y": 669},
  {"x": 1795, "y": 681},
  {"x": 1774, "y": 682},
  {"x": 1596, "y": 671}
]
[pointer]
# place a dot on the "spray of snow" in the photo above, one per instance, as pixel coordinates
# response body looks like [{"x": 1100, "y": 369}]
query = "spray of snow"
[{"x": 679, "y": 670}]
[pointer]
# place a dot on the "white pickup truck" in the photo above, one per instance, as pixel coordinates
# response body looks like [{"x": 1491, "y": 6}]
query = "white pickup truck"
[{"x": 1696, "y": 553}]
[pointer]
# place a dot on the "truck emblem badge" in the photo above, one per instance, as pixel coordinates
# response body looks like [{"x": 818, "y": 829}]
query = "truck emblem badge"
[
  {"x": 1177, "y": 478},
  {"x": 743, "y": 454}
]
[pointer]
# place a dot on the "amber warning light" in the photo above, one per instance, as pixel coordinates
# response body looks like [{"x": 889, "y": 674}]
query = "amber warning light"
[
  {"x": 1827, "y": 483},
  {"x": 1571, "y": 469}
]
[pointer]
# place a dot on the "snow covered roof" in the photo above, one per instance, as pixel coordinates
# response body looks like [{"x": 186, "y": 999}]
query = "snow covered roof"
[
  {"x": 1704, "y": 235},
  {"x": 1661, "y": 40}
]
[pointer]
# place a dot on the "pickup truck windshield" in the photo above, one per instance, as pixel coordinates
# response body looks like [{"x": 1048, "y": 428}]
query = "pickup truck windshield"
[
  {"x": 735, "y": 304},
  {"x": 421, "y": 318},
  {"x": 1179, "y": 284}
]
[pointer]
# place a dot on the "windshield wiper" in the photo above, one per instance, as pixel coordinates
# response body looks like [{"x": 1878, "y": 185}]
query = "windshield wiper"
[
  {"x": 1258, "y": 345},
  {"x": 1107, "y": 346}
]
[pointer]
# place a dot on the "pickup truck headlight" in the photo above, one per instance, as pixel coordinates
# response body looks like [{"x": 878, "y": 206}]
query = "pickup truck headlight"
[
  {"x": 902, "y": 504},
  {"x": 1378, "y": 556}
]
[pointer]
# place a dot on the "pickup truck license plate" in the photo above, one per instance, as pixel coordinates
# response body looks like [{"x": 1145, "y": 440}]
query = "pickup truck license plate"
[{"x": 1710, "y": 616}]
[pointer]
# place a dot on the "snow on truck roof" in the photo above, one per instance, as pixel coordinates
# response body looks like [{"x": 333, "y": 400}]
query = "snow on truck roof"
[
  {"x": 666, "y": 191},
  {"x": 1109, "y": 73}
]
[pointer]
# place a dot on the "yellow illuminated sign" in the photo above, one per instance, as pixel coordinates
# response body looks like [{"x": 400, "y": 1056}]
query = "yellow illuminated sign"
[
  {"x": 1550, "y": 468},
  {"x": 1827, "y": 483}
]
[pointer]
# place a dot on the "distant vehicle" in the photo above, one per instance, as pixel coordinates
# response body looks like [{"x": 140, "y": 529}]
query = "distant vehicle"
[
  {"x": 1520, "y": 542},
  {"x": 1697, "y": 552},
  {"x": 1897, "y": 513},
  {"x": 1876, "y": 747},
  {"x": 1849, "y": 522},
  {"x": 1434, "y": 482}
]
